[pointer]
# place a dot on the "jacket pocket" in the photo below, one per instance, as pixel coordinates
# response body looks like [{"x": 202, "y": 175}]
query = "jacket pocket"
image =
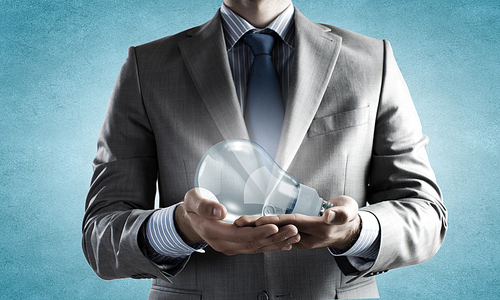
[
  {"x": 160, "y": 292},
  {"x": 364, "y": 289},
  {"x": 346, "y": 119}
]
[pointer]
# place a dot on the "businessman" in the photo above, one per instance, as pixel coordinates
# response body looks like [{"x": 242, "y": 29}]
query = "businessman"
[{"x": 334, "y": 111}]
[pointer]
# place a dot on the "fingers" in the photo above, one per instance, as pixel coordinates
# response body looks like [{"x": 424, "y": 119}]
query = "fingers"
[
  {"x": 210, "y": 209},
  {"x": 281, "y": 241},
  {"x": 330, "y": 229},
  {"x": 339, "y": 215},
  {"x": 278, "y": 242},
  {"x": 249, "y": 234},
  {"x": 231, "y": 239},
  {"x": 304, "y": 222},
  {"x": 211, "y": 229},
  {"x": 241, "y": 237},
  {"x": 279, "y": 220},
  {"x": 345, "y": 210},
  {"x": 246, "y": 221}
]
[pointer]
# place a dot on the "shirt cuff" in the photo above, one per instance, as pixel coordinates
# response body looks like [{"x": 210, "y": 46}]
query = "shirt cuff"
[
  {"x": 164, "y": 239},
  {"x": 367, "y": 244}
]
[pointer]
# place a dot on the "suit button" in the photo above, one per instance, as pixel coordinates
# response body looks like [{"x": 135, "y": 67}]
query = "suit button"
[{"x": 262, "y": 296}]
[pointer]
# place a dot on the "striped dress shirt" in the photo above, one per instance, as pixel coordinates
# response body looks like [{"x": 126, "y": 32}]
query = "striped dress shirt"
[
  {"x": 164, "y": 245},
  {"x": 241, "y": 56}
]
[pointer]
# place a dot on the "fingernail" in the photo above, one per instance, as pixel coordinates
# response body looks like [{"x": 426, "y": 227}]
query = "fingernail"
[
  {"x": 330, "y": 217},
  {"x": 217, "y": 212}
]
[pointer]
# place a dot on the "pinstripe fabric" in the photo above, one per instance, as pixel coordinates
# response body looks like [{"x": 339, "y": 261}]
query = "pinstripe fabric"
[{"x": 165, "y": 245}]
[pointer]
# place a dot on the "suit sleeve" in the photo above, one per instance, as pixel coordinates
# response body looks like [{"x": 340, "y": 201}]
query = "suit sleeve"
[
  {"x": 122, "y": 193},
  {"x": 403, "y": 193}
]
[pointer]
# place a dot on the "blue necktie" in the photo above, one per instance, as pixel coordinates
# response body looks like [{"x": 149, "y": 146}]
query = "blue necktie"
[{"x": 264, "y": 110}]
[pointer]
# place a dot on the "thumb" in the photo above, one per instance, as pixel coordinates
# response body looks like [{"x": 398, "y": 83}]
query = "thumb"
[
  {"x": 336, "y": 216},
  {"x": 345, "y": 210},
  {"x": 203, "y": 207}
]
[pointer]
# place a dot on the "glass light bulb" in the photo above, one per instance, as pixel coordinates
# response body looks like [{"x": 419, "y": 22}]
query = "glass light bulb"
[{"x": 244, "y": 178}]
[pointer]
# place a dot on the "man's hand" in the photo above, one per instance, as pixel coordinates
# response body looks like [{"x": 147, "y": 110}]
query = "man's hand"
[
  {"x": 199, "y": 220},
  {"x": 339, "y": 227}
]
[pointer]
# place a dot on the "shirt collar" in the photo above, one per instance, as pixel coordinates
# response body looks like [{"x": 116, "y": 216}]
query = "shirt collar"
[{"x": 235, "y": 26}]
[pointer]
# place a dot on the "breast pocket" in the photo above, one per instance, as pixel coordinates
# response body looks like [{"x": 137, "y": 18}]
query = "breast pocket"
[{"x": 339, "y": 121}]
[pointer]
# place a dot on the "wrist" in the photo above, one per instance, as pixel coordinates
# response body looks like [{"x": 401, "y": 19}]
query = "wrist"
[
  {"x": 352, "y": 235},
  {"x": 184, "y": 227}
]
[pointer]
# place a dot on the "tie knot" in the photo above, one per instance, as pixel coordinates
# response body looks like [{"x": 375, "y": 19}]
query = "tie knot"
[{"x": 260, "y": 43}]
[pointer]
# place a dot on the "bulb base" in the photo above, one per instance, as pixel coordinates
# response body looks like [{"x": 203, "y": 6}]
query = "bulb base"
[
  {"x": 308, "y": 202},
  {"x": 324, "y": 206}
]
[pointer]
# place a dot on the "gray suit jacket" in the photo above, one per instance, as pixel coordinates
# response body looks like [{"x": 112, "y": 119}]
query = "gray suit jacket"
[{"x": 350, "y": 129}]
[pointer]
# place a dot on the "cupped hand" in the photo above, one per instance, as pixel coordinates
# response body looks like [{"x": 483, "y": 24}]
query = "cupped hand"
[
  {"x": 200, "y": 220},
  {"x": 339, "y": 227}
]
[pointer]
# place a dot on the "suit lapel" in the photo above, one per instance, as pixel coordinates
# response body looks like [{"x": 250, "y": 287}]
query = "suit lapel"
[
  {"x": 205, "y": 56},
  {"x": 316, "y": 52}
]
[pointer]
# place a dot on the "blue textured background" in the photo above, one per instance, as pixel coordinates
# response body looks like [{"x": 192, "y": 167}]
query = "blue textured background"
[{"x": 59, "y": 60}]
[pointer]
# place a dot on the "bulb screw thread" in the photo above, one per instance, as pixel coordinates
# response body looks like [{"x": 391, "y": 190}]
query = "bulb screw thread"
[{"x": 324, "y": 206}]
